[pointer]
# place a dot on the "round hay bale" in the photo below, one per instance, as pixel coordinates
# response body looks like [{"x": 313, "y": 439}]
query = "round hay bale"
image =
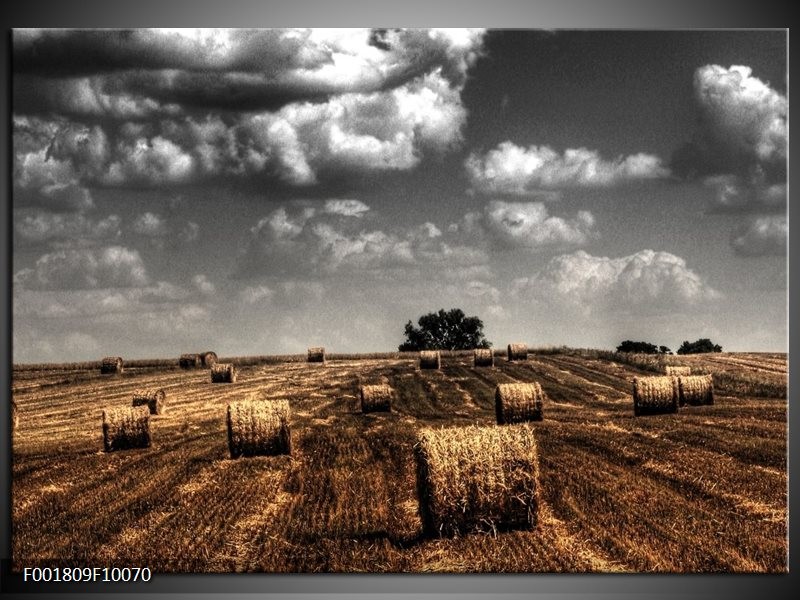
[
  {"x": 517, "y": 352},
  {"x": 477, "y": 479},
  {"x": 654, "y": 395},
  {"x": 126, "y": 428},
  {"x": 677, "y": 370},
  {"x": 223, "y": 373},
  {"x": 518, "y": 402},
  {"x": 483, "y": 357},
  {"x": 376, "y": 398},
  {"x": 430, "y": 359},
  {"x": 152, "y": 398},
  {"x": 190, "y": 361},
  {"x": 111, "y": 365},
  {"x": 316, "y": 354},
  {"x": 696, "y": 389},
  {"x": 208, "y": 358},
  {"x": 259, "y": 427}
]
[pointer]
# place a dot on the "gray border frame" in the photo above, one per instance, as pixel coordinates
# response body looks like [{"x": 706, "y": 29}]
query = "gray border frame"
[{"x": 593, "y": 14}]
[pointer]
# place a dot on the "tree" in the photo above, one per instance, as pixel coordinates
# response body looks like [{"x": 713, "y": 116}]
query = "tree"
[
  {"x": 699, "y": 347},
  {"x": 641, "y": 347},
  {"x": 445, "y": 330},
  {"x": 664, "y": 350}
]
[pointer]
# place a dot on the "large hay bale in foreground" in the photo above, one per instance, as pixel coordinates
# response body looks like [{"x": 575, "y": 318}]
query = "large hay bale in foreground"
[
  {"x": 518, "y": 402},
  {"x": 190, "y": 361},
  {"x": 126, "y": 428},
  {"x": 376, "y": 398},
  {"x": 677, "y": 370},
  {"x": 153, "y": 399},
  {"x": 483, "y": 357},
  {"x": 477, "y": 479},
  {"x": 517, "y": 352},
  {"x": 111, "y": 365},
  {"x": 430, "y": 359},
  {"x": 259, "y": 427},
  {"x": 654, "y": 395},
  {"x": 316, "y": 354},
  {"x": 223, "y": 373},
  {"x": 696, "y": 389},
  {"x": 208, "y": 358}
]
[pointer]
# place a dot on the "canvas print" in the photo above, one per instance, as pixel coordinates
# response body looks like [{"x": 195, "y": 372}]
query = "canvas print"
[{"x": 399, "y": 300}]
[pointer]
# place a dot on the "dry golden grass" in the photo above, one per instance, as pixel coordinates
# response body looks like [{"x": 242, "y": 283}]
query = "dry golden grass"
[
  {"x": 316, "y": 354},
  {"x": 616, "y": 493},
  {"x": 517, "y": 352},
  {"x": 223, "y": 373},
  {"x": 518, "y": 402},
  {"x": 111, "y": 365},
  {"x": 125, "y": 428},
  {"x": 376, "y": 398},
  {"x": 677, "y": 370},
  {"x": 258, "y": 427},
  {"x": 484, "y": 357},
  {"x": 477, "y": 479},
  {"x": 153, "y": 398},
  {"x": 696, "y": 389},
  {"x": 655, "y": 395},
  {"x": 430, "y": 359}
]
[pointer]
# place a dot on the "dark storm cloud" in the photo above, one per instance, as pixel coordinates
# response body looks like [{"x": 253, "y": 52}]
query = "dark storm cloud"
[{"x": 298, "y": 105}]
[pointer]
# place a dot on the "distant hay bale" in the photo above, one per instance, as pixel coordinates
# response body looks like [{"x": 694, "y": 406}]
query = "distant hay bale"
[
  {"x": 316, "y": 354},
  {"x": 190, "y": 361},
  {"x": 258, "y": 427},
  {"x": 152, "y": 398},
  {"x": 223, "y": 373},
  {"x": 483, "y": 357},
  {"x": 652, "y": 395},
  {"x": 696, "y": 389},
  {"x": 208, "y": 358},
  {"x": 677, "y": 370},
  {"x": 477, "y": 479},
  {"x": 517, "y": 352},
  {"x": 518, "y": 402},
  {"x": 111, "y": 365},
  {"x": 126, "y": 428},
  {"x": 430, "y": 359},
  {"x": 376, "y": 398}
]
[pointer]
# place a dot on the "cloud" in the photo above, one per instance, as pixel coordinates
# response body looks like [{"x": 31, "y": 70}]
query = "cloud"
[
  {"x": 256, "y": 294},
  {"x": 83, "y": 268},
  {"x": 203, "y": 285},
  {"x": 739, "y": 145},
  {"x": 150, "y": 225},
  {"x": 142, "y": 107},
  {"x": 76, "y": 229},
  {"x": 762, "y": 236},
  {"x": 647, "y": 282},
  {"x": 347, "y": 208},
  {"x": 189, "y": 232},
  {"x": 526, "y": 225},
  {"x": 304, "y": 239},
  {"x": 235, "y": 68},
  {"x": 514, "y": 170}
]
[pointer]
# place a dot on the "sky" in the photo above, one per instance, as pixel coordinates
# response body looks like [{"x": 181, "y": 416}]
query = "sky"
[{"x": 263, "y": 191}]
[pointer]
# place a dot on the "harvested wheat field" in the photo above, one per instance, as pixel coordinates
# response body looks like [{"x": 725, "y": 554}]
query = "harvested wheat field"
[{"x": 614, "y": 491}]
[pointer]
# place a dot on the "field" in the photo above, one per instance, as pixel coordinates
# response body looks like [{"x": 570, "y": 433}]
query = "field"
[{"x": 703, "y": 490}]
